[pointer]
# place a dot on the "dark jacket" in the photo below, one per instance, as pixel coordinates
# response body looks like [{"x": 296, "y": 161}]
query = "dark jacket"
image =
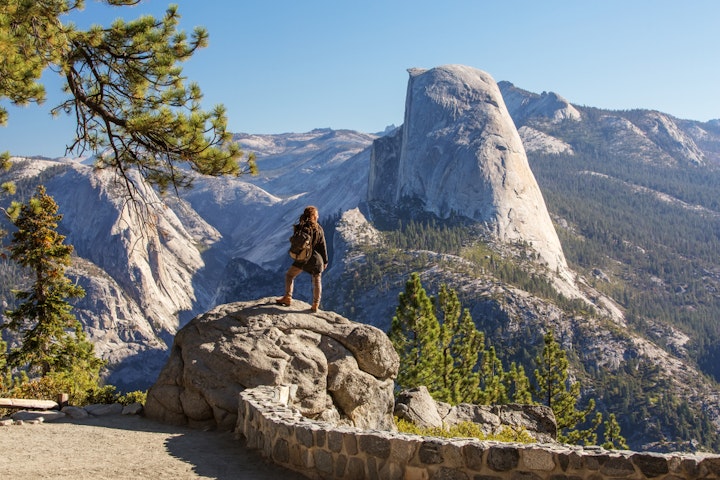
[{"x": 319, "y": 258}]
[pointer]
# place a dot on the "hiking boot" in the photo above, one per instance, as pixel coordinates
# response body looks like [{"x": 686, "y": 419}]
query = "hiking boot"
[
  {"x": 285, "y": 300},
  {"x": 315, "y": 307}
]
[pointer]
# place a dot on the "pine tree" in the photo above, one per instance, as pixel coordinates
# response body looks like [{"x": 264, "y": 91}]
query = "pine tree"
[
  {"x": 448, "y": 314},
  {"x": 415, "y": 334},
  {"x": 492, "y": 380},
  {"x": 444, "y": 356},
  {"x": 126, "y": 89},
  {"x": 51, "y": 337},
  {"x": 5, "y": 374},
  {"x": 461, "y": 345},
  {"x": 613, "y": 437},
  {"x": 468, "y": 347},
  {"x": 561, "y": 395},
  {"x": 518, "y": 385},
  {"x": 449, "y": 356}
]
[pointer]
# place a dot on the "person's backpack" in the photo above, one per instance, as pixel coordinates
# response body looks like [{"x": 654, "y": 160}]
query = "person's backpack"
[{"x": 301, "y": 243}]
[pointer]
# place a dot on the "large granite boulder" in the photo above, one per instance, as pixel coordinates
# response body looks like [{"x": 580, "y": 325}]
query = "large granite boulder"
[
  {"x": 417, "y": 406},
  {"x": 343, "y": 372}
]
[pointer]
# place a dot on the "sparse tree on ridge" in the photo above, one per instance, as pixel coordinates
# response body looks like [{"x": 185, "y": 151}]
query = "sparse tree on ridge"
[
  {"x": 126, "y": 90},
  {"x": 52, "y": 340}
]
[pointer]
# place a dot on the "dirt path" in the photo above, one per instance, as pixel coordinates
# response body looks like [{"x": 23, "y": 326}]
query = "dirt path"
[{"x": 124, "y": 447}]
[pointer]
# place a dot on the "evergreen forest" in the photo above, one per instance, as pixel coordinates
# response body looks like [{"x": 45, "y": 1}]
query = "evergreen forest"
[{"x": 653, "y": 230}]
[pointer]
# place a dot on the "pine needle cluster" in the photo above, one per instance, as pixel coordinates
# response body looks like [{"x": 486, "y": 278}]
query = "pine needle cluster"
[{"x": 125, "y": 89}]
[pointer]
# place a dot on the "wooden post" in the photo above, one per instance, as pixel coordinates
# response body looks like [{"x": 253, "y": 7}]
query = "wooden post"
[{"x": 63, "y": 400}]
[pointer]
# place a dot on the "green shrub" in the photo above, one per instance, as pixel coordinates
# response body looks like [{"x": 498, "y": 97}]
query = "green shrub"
[
  {"x": 466, "y": 430},
  {"x": 81, "y": 390},
  {"x": 137, "y": 396},
  {"x": 50, "y": 386},
  {"x": 105, "y": 395}
]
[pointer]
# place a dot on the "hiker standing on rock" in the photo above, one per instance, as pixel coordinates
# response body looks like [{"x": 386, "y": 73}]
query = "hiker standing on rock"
[{"x": 309, "y": 251}]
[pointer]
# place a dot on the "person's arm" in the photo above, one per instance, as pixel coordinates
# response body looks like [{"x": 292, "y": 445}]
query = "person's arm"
[{"x": 322, "y": 247}]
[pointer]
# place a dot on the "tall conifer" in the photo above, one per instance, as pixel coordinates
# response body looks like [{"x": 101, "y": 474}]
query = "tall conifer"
[
  {"x": 448, "y": 314},
  {"x": 52, "y": 339},
  {"x": 3, "y": 358},
  {"x": 612, "y": 435},
  {"x": 415, "y": 334},
  {"x": 518, "y": 385},
  {"x": 468, "y": 347},
  {"x": 492, "y": 379},
  {"x": 556, "y": 391}
]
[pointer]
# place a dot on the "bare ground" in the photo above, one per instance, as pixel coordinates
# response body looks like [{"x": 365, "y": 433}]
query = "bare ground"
[{"x": 127, "y": 446}]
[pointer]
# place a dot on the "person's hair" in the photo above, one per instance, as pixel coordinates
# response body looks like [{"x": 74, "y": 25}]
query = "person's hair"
[{"x": 308, "y": 215}]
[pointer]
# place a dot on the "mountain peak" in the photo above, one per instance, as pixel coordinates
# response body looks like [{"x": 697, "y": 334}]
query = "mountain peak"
[
  {"x": 523, "y": 105},
  {"x": 459, "y": 154}
]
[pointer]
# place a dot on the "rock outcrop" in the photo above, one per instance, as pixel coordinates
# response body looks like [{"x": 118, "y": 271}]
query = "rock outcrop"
[
  {"x": 417, "y": 406},
  {"x": 139, "y": 262},
  {"x": 458, "y": 153},
  {"x": 343, "y": 372},
  {"x": 548, "y": 106}
]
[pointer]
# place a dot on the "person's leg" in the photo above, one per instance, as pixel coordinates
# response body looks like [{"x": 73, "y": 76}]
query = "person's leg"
[
  {"x": 290, "y": 275},
  {"x": 317, "y": 291}
]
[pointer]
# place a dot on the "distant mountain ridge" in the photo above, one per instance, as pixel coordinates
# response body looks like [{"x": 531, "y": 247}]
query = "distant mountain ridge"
[{"x": 148, "y": 272}]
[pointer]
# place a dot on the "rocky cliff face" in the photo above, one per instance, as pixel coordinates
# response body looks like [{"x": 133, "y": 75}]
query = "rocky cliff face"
[
  {"x": 138, "y": 261},
  {"x": 459, "y": 154}
]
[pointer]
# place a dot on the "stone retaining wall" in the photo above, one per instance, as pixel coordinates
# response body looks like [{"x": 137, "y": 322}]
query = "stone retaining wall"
[{"x": 320, "y": 450}]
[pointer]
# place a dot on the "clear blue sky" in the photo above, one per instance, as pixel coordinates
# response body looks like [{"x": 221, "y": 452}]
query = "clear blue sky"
[{"x": 294, "y": 65}]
